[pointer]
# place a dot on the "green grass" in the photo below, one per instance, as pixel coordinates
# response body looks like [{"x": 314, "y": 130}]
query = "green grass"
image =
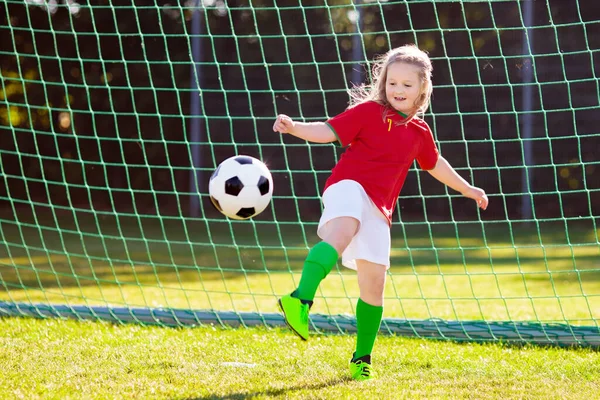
[
  {"x": 498, "y": 271},
  {"x": 56, "y": 359},
  {"x": 495, "y": 271}
]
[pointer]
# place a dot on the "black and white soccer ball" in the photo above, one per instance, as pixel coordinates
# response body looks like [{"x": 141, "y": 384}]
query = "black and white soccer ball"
[{"x": 241, "y": 187}]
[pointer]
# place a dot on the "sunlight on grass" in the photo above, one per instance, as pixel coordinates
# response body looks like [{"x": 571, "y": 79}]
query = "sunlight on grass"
[
  {"x": 68, "y": 359},
  {"x": 436, "y": 273},
  {"x": 454, "y": 297}
]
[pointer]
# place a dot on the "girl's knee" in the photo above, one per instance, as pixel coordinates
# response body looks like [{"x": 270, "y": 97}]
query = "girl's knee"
[
  {"x": 372, "y": 290},
  {"x": 376, "y": 289},
  {"x": 340, "y": 233},
  {"x": 339, "y": 242},
  {"x": 371, "y": 282}
]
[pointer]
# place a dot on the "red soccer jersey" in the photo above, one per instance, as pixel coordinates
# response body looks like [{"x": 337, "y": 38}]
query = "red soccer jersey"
[{"x": 380, "y": 151}]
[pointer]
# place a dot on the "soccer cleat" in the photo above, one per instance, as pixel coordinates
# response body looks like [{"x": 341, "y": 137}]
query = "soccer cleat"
[
  {"x": 295, "y": 313},
  {"x": 360, "y": 368}
]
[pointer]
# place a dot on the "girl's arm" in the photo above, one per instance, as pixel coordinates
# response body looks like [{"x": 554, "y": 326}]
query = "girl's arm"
[
  {"x": 444, "y": 173},
  {"x": 317, "y": 132}
]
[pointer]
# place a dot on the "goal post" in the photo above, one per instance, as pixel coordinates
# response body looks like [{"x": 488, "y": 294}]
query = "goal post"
[{"x": 113, "y": 117}]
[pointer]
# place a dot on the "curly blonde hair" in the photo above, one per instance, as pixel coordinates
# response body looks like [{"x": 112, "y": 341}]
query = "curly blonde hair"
[{"x": 375, "y": 91}]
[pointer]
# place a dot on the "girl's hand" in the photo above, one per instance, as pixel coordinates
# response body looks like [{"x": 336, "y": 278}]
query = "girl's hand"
[
  {"x": 283, "y": 124},
  {"x": 478, "y": 195}
]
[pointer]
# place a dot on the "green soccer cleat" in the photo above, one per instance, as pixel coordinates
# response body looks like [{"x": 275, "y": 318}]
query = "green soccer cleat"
[
  {"x": 360, "y": 368},
  {"x": 296, "y": 315}
]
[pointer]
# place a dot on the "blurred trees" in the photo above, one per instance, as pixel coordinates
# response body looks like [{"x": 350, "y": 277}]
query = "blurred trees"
[{"x": 95, "y": 97}]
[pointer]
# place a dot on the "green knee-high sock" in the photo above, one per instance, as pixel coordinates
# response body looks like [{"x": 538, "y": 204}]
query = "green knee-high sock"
[
  {"x": 368, "y": 321},
  {"x": 321, "y": 258}
]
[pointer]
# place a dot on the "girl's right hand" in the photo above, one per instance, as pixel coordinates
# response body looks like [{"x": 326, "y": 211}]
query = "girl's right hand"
[{"x": 283, "y": 124}]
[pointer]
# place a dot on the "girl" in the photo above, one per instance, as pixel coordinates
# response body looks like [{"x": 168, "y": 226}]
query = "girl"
[{"x": 383, "y": 135}]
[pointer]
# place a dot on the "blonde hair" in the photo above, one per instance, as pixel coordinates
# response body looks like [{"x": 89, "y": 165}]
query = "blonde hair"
[{"x": 375, "y": 91}]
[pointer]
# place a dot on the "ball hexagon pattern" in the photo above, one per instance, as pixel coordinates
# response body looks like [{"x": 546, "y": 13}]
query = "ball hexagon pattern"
[{"x": 241, "y": 187}]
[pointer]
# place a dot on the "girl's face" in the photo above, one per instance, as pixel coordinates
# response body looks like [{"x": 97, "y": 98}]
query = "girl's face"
[{"x": 402, "y": 86}]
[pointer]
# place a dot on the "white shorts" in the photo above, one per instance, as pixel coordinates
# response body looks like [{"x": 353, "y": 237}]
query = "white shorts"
[{"x": 372, "y": 242}]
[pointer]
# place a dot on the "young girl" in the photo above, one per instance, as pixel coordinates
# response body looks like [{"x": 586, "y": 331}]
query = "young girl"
[{"x": 383, "y": 136}]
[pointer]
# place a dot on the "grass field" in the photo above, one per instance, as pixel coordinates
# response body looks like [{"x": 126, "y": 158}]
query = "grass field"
[
  {"x": 53, "y": 359},
  {"x": 494, "y": 271},
  {"x": 498, "y": 271}
]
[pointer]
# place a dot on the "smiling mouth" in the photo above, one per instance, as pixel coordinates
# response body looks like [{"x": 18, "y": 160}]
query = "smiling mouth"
[{"x": 399, "y": 98}]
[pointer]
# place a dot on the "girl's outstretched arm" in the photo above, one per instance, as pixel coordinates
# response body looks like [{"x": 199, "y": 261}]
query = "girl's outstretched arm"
[
  {"x": 444, "y": 173},
  {"x": 317, "y": 132}
]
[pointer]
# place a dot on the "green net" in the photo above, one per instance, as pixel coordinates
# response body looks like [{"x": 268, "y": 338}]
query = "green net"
[{"x": 114, "y": 115}]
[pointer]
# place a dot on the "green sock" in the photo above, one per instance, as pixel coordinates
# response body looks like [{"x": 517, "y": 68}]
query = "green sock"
[
  {"x": 321, "y": 258},
  {"x": 368, "y": 321}
]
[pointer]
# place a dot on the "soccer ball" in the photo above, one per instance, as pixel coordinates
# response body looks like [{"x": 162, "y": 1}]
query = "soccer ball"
[{"x": 241, "y": 187}]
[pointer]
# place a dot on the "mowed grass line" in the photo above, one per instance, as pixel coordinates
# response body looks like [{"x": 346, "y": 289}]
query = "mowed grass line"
[{"x": 58, "y": 359}]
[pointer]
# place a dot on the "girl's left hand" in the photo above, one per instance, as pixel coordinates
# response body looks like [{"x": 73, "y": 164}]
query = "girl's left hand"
[{"x": 478, "y": 195}]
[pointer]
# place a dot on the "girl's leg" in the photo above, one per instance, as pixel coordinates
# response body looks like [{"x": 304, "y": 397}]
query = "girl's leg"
[
  {"x": 336, "y": 237},
  {"x": 369, "y": 309},
  {"x": 337, "y": 234}
]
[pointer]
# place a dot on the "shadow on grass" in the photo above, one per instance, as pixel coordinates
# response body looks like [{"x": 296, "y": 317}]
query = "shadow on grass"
[{"x": 274, "y": 392}]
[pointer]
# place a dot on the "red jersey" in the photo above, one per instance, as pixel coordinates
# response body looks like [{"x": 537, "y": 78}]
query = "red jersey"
[{"x": 380, "y": 151}]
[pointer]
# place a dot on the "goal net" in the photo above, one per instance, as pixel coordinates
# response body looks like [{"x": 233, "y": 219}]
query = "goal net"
[{"x": 114, "y": 115}]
